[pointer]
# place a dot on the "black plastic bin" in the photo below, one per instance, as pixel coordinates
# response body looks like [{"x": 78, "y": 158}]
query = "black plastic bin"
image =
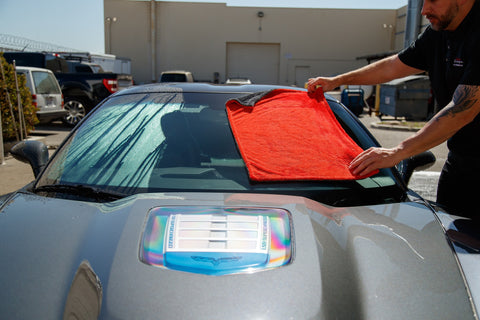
[
  {"x": 406, "y": 97},
  {"x": 353, "y": 99}
]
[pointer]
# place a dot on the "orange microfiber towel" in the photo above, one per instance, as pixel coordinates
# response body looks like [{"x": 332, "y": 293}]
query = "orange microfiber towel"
[{"x": 286, "y": 135}]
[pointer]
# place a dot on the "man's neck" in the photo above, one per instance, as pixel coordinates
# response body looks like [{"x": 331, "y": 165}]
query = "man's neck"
[{"x": 462, "y": 13}]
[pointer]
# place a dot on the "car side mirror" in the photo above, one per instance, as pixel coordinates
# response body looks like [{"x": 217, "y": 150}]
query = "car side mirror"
[
  {"x": 33, "y": 152},
  {"x": 420, "y": 161}
]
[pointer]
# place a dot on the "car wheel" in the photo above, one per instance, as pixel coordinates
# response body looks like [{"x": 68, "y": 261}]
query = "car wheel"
[{"x": 76, "y": 110}]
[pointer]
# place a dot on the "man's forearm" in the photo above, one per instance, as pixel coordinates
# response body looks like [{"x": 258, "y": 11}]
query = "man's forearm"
[
  {"x": 464, "y": 107},
  {"x": 378, "y": 72}
]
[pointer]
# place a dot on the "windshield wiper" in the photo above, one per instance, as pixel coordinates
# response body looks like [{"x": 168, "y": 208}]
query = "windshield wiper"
[{"x": 81, "y": 190}]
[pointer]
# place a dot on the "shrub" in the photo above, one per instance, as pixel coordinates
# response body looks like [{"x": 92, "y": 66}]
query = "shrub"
[{"x": 29, "y": 110}]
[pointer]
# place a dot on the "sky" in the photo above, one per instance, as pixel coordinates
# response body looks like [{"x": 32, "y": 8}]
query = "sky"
[{"x": 79, "y": 24}]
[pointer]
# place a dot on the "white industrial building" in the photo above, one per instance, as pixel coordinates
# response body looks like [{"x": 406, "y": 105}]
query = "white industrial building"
[{"x": 265, "y": 44}]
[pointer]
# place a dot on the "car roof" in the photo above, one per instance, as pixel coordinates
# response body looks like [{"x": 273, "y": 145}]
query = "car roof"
[
  {"x": 205, "y": 88},
  {"x": 175, "y": 71},
  {"x": 22, "y": 68}
]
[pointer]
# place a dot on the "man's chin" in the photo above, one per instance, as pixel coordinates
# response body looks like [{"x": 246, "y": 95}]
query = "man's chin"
[
  {"x": 438, "y": 27},
  {"x": 433, "y": 23}
]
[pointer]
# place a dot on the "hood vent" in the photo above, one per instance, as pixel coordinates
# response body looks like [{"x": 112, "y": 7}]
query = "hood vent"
[{"x": 217, "y": 241}]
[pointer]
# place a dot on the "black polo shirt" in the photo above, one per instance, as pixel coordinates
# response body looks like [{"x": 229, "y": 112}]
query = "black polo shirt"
[{"x": 451, "y": 58}]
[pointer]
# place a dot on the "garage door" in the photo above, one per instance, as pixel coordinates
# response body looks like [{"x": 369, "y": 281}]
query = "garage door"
[{"x": 260, "y": 62}]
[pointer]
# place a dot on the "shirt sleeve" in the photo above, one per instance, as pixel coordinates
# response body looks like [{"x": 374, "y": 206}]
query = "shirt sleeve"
[
  {"x": 416, "y": 55},
  {"x": 471, "y": 75}
]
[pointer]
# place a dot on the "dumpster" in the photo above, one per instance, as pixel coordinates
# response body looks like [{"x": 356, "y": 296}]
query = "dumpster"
[
  {"x": 353, "y": 99},
  {"x": 406, "y": 97}
]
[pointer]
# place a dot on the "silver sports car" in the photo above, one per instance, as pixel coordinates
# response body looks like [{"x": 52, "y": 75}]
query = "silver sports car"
[{"x": 149, "y": 210}]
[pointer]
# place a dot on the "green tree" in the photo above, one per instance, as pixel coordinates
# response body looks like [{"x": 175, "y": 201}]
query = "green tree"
[{"x": 11, "y": 122}]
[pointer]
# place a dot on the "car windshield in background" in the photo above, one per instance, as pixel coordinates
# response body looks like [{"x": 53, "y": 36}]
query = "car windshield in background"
[
  {"x": 173, "y": 77},
  {"x": 182, "y": 142}
]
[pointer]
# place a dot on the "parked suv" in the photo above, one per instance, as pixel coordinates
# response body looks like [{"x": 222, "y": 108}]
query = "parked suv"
[
  {"x": 176, "y": 76},
  {"x": 46, "y": 93},
  {"x": 82, "y": 91}
]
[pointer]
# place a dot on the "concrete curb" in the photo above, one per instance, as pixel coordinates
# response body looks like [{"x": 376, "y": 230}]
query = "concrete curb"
[{"x": 393, "y": 127}]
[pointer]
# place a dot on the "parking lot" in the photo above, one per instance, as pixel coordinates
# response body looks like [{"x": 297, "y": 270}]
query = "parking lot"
[
  {"x": 423, "y": 182},
  {"x": 15, "y": 174}
]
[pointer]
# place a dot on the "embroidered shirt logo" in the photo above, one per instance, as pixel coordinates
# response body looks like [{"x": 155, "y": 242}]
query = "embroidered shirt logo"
[{"x": 458, "y": 62}]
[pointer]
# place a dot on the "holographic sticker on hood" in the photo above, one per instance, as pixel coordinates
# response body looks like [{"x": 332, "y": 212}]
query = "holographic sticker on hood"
[{"x": 216, "y": 240}]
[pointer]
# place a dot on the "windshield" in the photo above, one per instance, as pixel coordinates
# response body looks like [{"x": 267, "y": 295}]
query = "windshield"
[{"x": 182, "y": 142}]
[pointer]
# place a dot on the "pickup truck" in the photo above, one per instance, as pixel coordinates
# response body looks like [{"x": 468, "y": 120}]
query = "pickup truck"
[{"x": 81, "y": 90}]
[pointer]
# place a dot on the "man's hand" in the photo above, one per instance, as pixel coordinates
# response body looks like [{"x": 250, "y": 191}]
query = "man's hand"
[
  {"x": 327, "y": 84},
  {"x": 373, "y": 159}
]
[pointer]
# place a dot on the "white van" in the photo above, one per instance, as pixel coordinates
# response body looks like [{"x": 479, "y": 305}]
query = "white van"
[{"x": 46, "y": 93}]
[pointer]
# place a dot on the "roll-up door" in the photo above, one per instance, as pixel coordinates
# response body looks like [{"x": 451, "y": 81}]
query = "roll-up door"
[{"x": 259, "y": 62}]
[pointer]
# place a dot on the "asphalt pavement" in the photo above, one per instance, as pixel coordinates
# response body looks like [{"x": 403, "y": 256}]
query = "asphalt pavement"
[{"x": 15, "y": 174}]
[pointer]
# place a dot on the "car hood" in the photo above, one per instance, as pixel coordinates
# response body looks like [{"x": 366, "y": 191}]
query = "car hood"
[{"x": 83, "y": 259}]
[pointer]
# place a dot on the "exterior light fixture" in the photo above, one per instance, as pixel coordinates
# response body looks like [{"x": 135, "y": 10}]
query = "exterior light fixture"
[{"x": 260, "y": 15}]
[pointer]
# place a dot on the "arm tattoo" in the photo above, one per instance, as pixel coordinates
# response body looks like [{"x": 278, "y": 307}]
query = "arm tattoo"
[{"x": 464, "y": 98}]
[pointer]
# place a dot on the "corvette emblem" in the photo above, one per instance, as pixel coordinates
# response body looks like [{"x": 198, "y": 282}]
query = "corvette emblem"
[{"x": 214, "y": 261}]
